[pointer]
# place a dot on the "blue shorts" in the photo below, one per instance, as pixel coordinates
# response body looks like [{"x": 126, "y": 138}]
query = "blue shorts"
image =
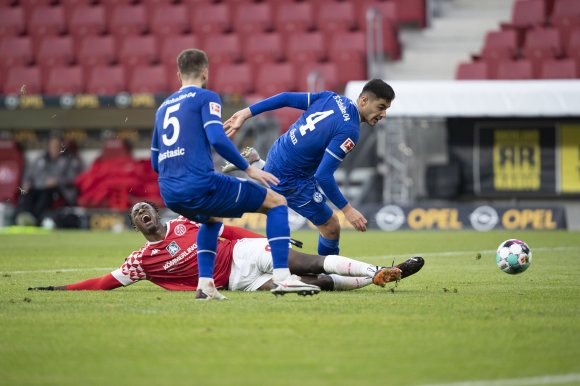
[
  {"x": 305, "y": 198},
  {"x": 227, "y": 197}
]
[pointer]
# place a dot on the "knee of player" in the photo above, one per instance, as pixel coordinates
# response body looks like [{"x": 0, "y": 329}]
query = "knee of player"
[
  {"x": 277, "y": 199},
  {"x": 332, "y": 227}
]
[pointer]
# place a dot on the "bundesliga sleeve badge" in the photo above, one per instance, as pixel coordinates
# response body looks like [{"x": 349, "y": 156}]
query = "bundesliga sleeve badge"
[
  {"x": 347, "y": 145},
  {"x": 215, "y": 109}
]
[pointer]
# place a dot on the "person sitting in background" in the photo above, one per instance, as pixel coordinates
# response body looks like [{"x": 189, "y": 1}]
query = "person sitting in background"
[{"x": 49, "y": 179}]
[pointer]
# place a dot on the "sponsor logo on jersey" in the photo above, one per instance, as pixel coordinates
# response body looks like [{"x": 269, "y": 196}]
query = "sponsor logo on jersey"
[
  {"x": 215, "y": 109},
  {"x": 347, "y": 145},
  {"x": 317, "y": 197},
  {"x": 155, "y": 251},
  {"x": 171, "y": 153},
  {"x": 182, "y": 258},
  {"x": 177, "y": 99},
  {"x": 342, "y": 108},
  {"x": 173, "y": 248},
  {"x": 179, "y": 230}
]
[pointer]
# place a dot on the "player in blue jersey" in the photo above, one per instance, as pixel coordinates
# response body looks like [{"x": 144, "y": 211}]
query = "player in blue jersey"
[
  {"x": 187, "y": 125},
  {"x": 307, "y": 155}
]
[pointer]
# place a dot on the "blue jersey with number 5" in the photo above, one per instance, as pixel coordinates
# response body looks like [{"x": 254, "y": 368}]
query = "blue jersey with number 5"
[
  {"x": 330, "y": 124},
  {"x": 180, "y": 149}
]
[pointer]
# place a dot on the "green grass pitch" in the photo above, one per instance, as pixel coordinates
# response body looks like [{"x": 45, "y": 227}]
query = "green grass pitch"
[{"x": 458, "y": 321}]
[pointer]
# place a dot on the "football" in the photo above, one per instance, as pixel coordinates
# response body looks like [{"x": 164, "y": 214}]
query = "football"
[{"x": 513, "y": 256}]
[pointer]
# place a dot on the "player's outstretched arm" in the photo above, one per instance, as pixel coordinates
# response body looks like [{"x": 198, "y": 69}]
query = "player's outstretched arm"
[{"x": 106, "y": 282}]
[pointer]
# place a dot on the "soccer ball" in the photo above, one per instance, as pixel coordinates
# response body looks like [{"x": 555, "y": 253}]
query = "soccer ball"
[{"x": 513, "y": 256}]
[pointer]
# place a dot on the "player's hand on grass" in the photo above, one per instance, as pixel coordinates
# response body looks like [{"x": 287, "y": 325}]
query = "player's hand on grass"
[
  {"x": 355, "y": 218},
  {"x": 265, "y": 178},
  {"x": 233, "y": 124},
  {"x": 49, "y": 288}
]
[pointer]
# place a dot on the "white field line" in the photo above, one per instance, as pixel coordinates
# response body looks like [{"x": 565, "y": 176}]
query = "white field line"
[
  {"x": 427, "y": 254},
  {"x": 466, "y": 253},
  {"x": 541, "y": 380}
]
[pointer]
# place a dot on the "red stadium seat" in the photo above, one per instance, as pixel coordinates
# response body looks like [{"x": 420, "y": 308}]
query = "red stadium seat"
[
  {"x": 233, "y": 79},
  {"x": 306, "y": 47},
  {"x": 12, "y": 21},
  {"x": 64, "y": 80},
  {"x": 565, "y": 18},
  {"x": 11, "y": 169},
  {"x": 498, "y": 46},
  {"x": 114, "y": 148},
  {"x": 263, "y": 47},
  {"x": 573, "y": 47},
  {"x": 388, "y": 12},
  {"x": 293, "y": 17},
  {"x": 137, "y": 51},
  {"x": 348, "y": 52},
  {"x": 223, "y": 48},
  {"x": 87, "y": 20},
  {"x": 541, "y": 44},
  {"x": 558, "y": 69},
  {"x": 23, "y": 80},
  {"x": 105, "y": 80},
  {"x": 526, "y": 14},
  {"x": 55, "y": 51},
  {"x": 171, "y": 46},
  {"x": 252, "y": 18},
  {"x": 333, "y": 17},
  {"x": 514, "y": 70},
  {"x": 148, "y": 79},
  {"x": 412, "y": 12},
  {"x": 29, "y": 5},
  {"x": 46, "y": 20},
  {"x": 96, "y": 51},
  {"x": 15, "y": 51},
  {"x": 274, "y": 78},
  {"x": 70, "y": 5},
  {"x": 128, "y": 20},
  {"x": 169, "y": 20},
  {"x": 316, "y": 77},
  {"x": 209, "y": 19},
  {"x": 472, "y": 71}
]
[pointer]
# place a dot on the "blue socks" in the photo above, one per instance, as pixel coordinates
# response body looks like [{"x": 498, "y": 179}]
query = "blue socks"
[
  {"x": 207, "y": 239},
  {"x": 278, "y": 233},
  {"x": 327, "y": 247}
]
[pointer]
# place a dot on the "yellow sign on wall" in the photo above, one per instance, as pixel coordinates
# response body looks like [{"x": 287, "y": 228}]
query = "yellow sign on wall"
[
  {"x": 570, "y": 158},
  {"x": 516, "y": 160}
]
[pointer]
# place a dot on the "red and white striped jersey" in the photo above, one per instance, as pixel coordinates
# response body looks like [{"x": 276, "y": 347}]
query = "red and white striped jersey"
[{"x": 172, "y": 262}]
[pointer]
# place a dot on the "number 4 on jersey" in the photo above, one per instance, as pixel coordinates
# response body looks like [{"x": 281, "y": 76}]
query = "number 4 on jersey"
[{"x": 313, "y": 119}]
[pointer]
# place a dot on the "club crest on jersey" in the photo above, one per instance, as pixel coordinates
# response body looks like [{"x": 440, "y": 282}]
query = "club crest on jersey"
[
  {"x": 317, "y": 197},
  {"x": 179, "y": 230},
  {"x": 215, "y": 109},
  {"x": 347, "y": 145},
  {"x": 173, "y": 248}
]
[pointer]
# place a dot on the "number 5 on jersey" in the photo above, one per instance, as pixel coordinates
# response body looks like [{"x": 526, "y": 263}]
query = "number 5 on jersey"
[
  {"x": 313, "y": 119},
  {"x": 171, "y": 121}
]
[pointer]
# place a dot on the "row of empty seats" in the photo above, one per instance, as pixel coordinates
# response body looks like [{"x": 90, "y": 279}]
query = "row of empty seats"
[
  {"x": 48, "y": 35},
  {"x": 161, "y": 17},
  {"x": 542, "y": 43},
  {"x": 234, "y": 79}
]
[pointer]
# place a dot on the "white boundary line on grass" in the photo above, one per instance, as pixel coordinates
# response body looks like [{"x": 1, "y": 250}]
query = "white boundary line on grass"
[
  {"x": 467, "y": 253},
  {"x": 428, "y": 254},
  {"x": 541, "y": 380}
]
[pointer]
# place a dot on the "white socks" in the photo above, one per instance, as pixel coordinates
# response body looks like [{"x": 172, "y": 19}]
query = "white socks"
[
  {"x": 344, "y": 283},
  {"x": 281, "y": 274},
  {"x": 348, "y": 267}
]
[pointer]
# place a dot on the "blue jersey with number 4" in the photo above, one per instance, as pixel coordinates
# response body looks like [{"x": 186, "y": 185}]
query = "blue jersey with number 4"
[{"x": 327, "y": 130}]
